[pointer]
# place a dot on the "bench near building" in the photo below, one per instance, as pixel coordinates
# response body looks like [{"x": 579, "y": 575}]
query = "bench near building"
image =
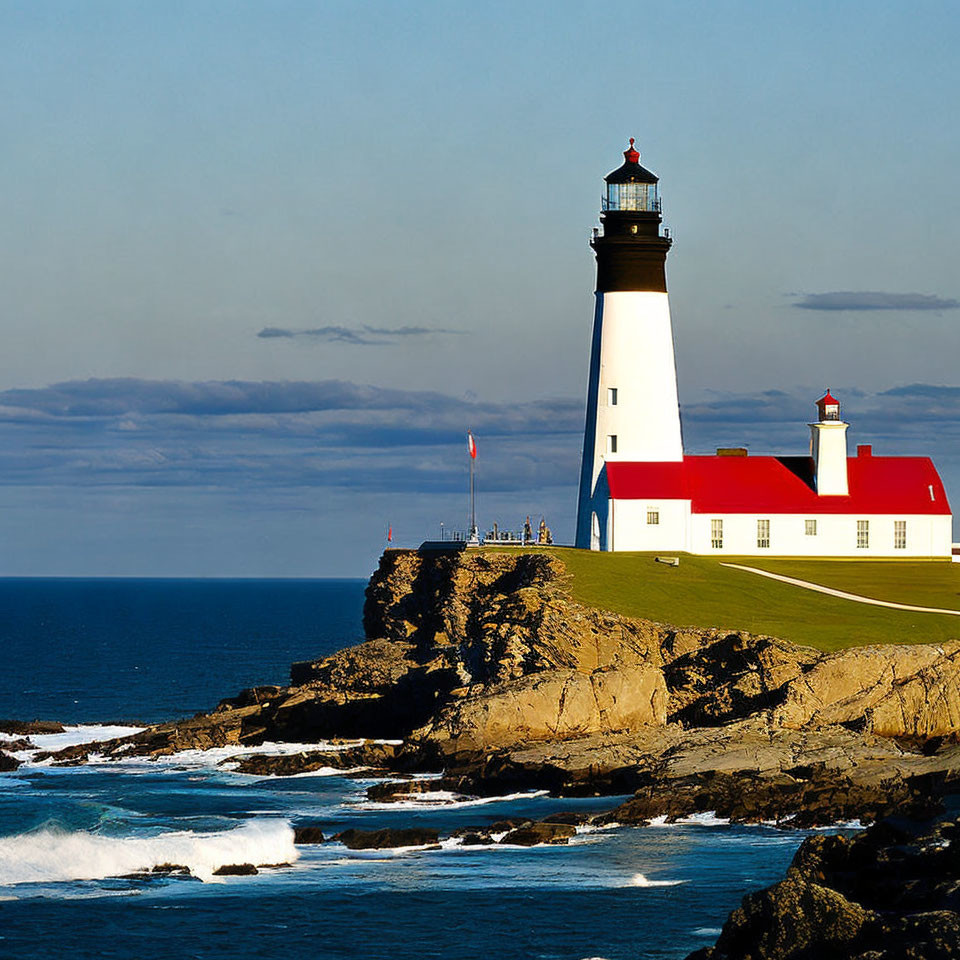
[{"x": 638, "y": 491}]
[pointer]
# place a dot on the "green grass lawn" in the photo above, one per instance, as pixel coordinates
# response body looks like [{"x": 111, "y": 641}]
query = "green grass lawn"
[{"x": 702, "y": 593}]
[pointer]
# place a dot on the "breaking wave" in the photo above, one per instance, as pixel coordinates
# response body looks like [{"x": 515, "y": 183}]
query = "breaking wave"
[
  {"x": 51, "y": 856},
  {"x": 640, "y": 880}
]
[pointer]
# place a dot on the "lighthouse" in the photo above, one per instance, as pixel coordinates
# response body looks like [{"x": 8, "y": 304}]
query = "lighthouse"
[
  {"x": 633, "y": 412},
  {"x": 828, "y": 449}
]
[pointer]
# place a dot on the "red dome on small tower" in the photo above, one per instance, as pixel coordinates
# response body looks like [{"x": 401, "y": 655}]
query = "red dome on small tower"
[{"x": 631, "y": 155}]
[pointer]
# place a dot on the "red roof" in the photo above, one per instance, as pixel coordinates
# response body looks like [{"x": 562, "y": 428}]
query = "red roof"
[
  {"x": 826, "y": 398},
  {"x": 903, "y": 485}
]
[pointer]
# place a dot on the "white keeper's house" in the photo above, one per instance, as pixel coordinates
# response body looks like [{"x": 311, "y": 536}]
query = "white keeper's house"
[{"x": 638, "y": 491}]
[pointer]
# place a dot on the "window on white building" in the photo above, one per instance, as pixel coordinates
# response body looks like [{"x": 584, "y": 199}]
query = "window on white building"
[
  {"x": 716, "y": 534},
  {"x": 863, "y": 534},
  {"x": 763, "y": 534},
  {"x": 653, "y": 517},
  {"x": 810, "y": 528},
  {"x": 612, "y": 443},
  {"x": 899, "y": 534},
  {"x": 612, "y": 396}
]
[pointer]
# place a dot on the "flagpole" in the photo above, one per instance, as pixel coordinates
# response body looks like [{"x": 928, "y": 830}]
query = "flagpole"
[
  {"x": 472, "y": 453},
  {"x": 473, "y": 512}
]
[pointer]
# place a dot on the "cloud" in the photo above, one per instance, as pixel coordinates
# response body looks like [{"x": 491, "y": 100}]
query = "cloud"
[
  {"x": 278, "y": 433},
  {"x": 872, "y": 300},
  {"x": 365, "y": 335},
  {"x": 263, "y": 438},
  {"x": 927, "y": 390}
]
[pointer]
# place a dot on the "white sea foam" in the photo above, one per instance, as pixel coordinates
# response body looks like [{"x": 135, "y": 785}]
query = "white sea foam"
[
  {"x": 49, "y": 856},
  {"x": 215, "y": 756},
  {"x": 211, "y": 758},
  {"x": 708, "y": 819},
  {"x": 707, "y": 932},
  {"x": 441, "y": 798},
  {"x": 640, "y": 880},
  {"x": 83, "y": 733}
]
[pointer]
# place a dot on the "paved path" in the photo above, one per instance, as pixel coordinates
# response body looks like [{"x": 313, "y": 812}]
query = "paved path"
[{"x": 839, "y": 593}]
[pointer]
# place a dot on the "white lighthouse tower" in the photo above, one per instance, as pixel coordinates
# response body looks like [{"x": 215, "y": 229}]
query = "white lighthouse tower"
[
  {"x": 633, "y": 412},
  {"x": 828, "y": 447}
]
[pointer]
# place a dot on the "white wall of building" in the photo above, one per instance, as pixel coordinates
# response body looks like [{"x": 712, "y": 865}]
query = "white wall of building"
[
  {"x": 836, "y": 534},
  {"x": 630, "y": 529}
]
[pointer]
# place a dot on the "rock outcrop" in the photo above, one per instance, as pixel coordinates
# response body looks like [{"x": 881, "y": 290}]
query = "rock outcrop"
[
  {"x": 889, "y": 893},
  {"x": 387, "y": 838},
  {"x": 488, "y": 670},
  {"x": 551, "y": 705},
  {"x": 26, "y": 728}
]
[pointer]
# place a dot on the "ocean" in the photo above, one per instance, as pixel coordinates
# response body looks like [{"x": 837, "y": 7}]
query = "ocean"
[{"x": 75, "y": 840}]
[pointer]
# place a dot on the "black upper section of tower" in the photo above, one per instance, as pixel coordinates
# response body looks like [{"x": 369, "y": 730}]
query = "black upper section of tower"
[{"x": 631, "y": 253}]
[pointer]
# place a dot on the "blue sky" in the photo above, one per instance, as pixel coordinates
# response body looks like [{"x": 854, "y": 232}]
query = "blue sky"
[{"x": 266, "y": 262}]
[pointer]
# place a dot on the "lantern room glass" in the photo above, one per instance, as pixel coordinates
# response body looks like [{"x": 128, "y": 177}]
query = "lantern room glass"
[{"x": 632, "y": 196}]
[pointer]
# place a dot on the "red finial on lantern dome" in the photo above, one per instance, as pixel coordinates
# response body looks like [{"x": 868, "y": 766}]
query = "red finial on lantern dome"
[{"x": 631, "y": 155}]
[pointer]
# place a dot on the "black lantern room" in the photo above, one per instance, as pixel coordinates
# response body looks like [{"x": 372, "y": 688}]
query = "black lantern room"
[{"x": 632, "y": 187}]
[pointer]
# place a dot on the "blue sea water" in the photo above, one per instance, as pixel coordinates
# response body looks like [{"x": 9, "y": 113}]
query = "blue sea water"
[{"x": 74, "y": 841}]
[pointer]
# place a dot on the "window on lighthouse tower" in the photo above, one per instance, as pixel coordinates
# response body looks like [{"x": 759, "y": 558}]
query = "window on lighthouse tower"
[{"x": 632, "y": 196}]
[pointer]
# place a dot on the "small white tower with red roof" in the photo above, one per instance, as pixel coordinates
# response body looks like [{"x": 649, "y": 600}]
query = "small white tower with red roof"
[{"x": 828, "y": 447}]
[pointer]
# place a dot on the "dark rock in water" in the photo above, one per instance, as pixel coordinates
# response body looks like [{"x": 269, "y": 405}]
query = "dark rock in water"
[
  {"x": 393, "y": 791},
  {"x": 24, "y": 728},
  {"x": 21, "y": 744},
  {"x": 69, "y": 756},
  {"x": 473, "y": 839},
  {"x": 573, "y": 817},
  {"x": 236, "y": 870},
  {"x": 307, "y": 835},
  {"x": 386, "y": 838},
  {"x": 742, "y": 797},
  {"x": 8, "y": 763},
  {"x": 377, "y": 756},
  {"x": 169, "y": 868},
  {"x": 502, "y": 826},
  {"x": 532, "y": 834},
  {"x": 889, "y": 893}
]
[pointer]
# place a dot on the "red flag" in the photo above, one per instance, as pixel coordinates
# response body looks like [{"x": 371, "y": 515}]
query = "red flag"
[
  {"x": 390, "y": 533},
  {"x": 471, "y": 445}
]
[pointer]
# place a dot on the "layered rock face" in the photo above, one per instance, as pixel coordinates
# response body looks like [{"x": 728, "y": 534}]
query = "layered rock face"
[
  {"x": 889, "y": 893},
  {"x": 486, "y": 668}
]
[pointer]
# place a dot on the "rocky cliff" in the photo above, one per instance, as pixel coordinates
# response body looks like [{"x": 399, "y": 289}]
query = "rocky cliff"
[
  {"x": 889, "y": 893},
  {"x": 485, "y": 667}
]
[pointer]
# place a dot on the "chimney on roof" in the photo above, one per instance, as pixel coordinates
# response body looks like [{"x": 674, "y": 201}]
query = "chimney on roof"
[
  {"x": 731, "y": 451},
  {"x": 864, "y": 450},
  {"x": 828, "y": 447}
]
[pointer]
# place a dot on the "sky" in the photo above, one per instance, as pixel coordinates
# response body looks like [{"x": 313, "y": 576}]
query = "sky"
[{"x": 264, "y": 263}]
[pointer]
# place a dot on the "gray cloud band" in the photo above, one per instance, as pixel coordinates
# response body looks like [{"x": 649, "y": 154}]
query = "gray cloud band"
[
  {"x": 872, "y": 300},
  {"x": 365, "y": 335},
  {"x": 235, "y": 434}
]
